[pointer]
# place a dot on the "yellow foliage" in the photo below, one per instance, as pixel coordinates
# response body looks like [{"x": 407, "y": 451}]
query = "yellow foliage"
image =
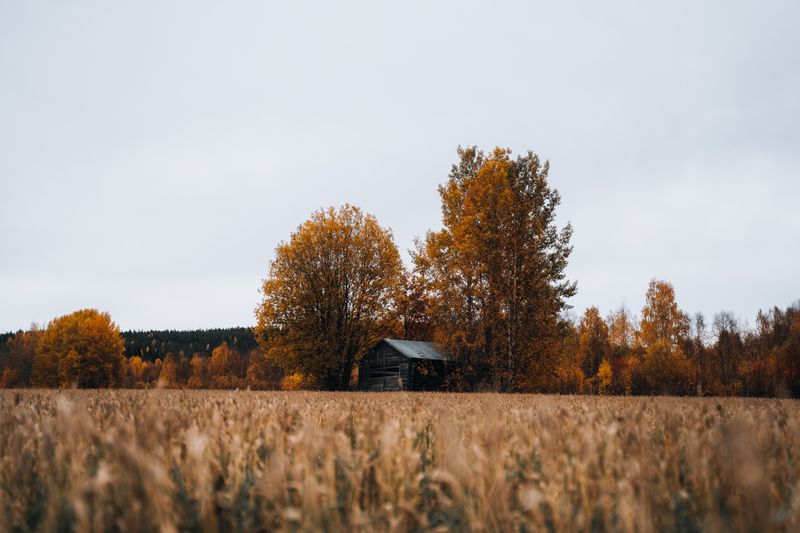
[
  {"x": 83, "y": 348},
  {"x": 223, "y": 367},
  {"x": 593, "y": 341},
  {"x": 295, "y": 381},
  {"x": 169, "y": 373},
  {"x": 663, "y": 329},
  {"x": 329, "y": 295},
  {"x": 604, "y": 376},
  {"x": 199, "y": 370},
  {"x": 495, "y": 272},
  {"x": 662, "y": 320}
]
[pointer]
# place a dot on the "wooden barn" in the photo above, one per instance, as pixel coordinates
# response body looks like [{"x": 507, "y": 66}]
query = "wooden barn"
[{"x": 402, "y": 365}]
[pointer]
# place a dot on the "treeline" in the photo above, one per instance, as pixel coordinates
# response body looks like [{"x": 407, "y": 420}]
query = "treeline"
[
  {"x": 225, "y": 368},
  {"x": 152, "y": 345},
  {"x": 217, "y": 358},
  {"x": 667, "y": 351}
]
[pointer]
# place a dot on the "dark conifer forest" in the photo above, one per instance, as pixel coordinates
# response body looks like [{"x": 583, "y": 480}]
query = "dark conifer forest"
[{"x": 157, "y": 344}]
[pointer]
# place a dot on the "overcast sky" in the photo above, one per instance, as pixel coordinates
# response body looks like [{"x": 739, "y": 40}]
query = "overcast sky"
[{"x": 153, "y": 154}]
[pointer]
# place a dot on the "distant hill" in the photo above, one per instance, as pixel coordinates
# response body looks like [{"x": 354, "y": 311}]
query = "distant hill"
[{"x": 151, "y": 345}]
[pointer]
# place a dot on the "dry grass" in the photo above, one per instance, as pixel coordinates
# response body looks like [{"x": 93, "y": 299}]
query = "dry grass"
[{"x": 244, "y": 461}]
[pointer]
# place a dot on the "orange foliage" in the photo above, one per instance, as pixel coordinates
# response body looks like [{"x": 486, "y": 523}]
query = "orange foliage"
[
  {"x": 224, "y": 366},
  {"x": 83, "y": 348},
  {"x": 168, "y": 377},
  {"x": 495, "y": 272},
  {"x": 663, "y": 331},
  {"x": 594, "y": 345},
  {"x": 297, "y": 381},
  {"x": 329, "y": 295}
]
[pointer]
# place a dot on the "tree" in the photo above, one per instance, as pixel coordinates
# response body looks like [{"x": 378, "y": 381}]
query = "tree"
[
  {"x": 626, "y": 378},
  {"x": 198, "y": 379},
  {"x": 663, "y": 331},
  {"x": 568, "y": 378},
  {"x": 136, "y": 369},
  {"x": 593, "y": 342},
  {"x": 621, "y": 331},
  {"x": 329, "y": 295},
  {"x": 223, "y": 368},
  {"x": 413, "y": 309},
  {"x": 662, "y": 319},
  {"x": 19, "y": 357},
  {"x": 604, "y": 377},
  {"x": 183, "y": 368},
  {"x": 261, "y": 374},
  {"x": 151, "y": 345},
  {"x": 766, "y": 360},
  {"x": 83, "y": 348},
  {"x": 495, "y": 272},
  {"x": 152, "y": 371},
  {"x": 169, "y": 372},
  {"x": 697, "y": 350},
  {"x": 790, "y": 352},
  {"x": 728, "y": 353}
]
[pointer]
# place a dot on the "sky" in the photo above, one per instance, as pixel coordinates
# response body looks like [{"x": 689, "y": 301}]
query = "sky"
[{"x": 154, "y": 153}]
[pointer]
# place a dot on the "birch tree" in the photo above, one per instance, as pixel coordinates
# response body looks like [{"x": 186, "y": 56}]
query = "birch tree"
[{"x": 495, "y": 271}]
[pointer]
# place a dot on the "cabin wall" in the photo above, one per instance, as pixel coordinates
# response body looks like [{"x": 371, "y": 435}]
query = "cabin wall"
[{"x": 386, "y": 369}]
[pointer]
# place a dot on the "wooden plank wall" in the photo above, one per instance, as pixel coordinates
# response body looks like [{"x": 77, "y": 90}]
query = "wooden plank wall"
[{"x": 386, "y": 369}]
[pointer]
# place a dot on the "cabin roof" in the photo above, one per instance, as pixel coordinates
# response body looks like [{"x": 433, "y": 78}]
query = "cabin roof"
[{"x": 416, "y": 349}]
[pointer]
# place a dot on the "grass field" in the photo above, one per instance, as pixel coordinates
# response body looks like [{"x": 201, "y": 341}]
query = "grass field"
[{"x": 243, "y": 461}]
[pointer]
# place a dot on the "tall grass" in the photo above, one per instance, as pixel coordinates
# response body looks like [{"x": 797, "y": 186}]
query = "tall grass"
[{"x": 260, "y": 461}]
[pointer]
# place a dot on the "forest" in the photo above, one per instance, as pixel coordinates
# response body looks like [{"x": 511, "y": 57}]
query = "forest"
[
  {"x": 152, "y": 345},
  {"x": 597, "y": 355},
  {"x": 489, "y": 288}
]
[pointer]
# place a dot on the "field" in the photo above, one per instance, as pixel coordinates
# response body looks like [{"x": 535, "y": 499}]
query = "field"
[{"x": 244, "y": 461}]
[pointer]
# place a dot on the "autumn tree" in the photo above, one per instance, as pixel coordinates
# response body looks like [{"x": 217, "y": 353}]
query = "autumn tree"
[
  {"x": 152, "y": 371},
  {"x": 261, "y": 373},
  {"x": 135, "y": 370},
  {"x": 604, "y": 377},
  {"x": 224, "y": 366},
  {"x": 329, "y": 295},
  {"x": 728, "y": 353},
  {"x": 788, "y": 353},
  {"x": 198, "y": 377},
  {"x": 663, "y": 331},
  {"x": 697, "y": 352},
  {"x": 495, "y": 272},
  {"x": 764, "y": 361},
  {"x": 625, "y": 361},
  {"x": 168, "y": 376},
  {"x": 83, "y": 348},
  {"x": 183, "y": 368},
  {"x": 413, "y": 309},
  {"x": 568, "y": 378},
  {"x": 621, "y": 331},
  {"x": 594, "y": 346},
  {"x": 16, "y": 365}
]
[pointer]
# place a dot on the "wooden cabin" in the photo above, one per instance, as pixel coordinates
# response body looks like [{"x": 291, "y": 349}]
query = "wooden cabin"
[{"x": 395, "y": 364}]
